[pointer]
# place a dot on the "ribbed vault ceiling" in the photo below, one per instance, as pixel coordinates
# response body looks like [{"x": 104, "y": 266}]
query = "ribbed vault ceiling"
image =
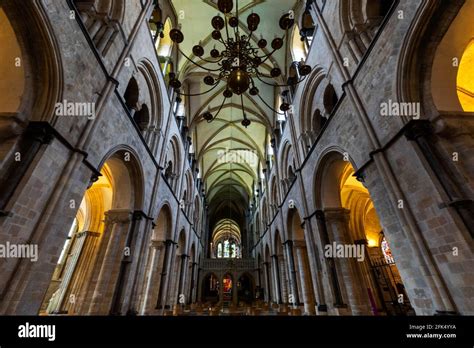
[{"x": 230, "y": 156}]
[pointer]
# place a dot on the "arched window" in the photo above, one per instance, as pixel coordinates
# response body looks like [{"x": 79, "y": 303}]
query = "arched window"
[
  {"x": 131, "y": 95},
  {"x": 219, "y": 250},
  {"x": 142, "y": 117},
  {"x": 465, "y": 79},
  {"x": 298, "y": 47},
  {"x": 164, "y": 47},
  {"x": 307, "y": 30},
  {"x": 330, "y": 99},
  {"x": 156, "y": 25},
  {"x": 387, "y": 253}
]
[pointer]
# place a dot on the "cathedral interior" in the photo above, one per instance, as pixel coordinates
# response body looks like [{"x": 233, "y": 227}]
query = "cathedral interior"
[{"x": 236, "y": 157}]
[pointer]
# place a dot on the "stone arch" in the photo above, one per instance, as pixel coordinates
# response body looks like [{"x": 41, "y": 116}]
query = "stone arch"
[
  {"x": 163, "y": 224},
  {"x": 348, "y": 218},
  {"x": 274, "y": 201},
  {"x": 416, "y": 66},
  {"x": 124, "y": 160},
  {"x": 210, "y": 288},
  {"x": 360, "y": 20},
  {"x": 287, "y": 164},
  {"x": 428, "y": 71},
  {"x": 300, "y": 262},
  {"x": 103, "y": 19},
  {"x": 151, "y": 93},
  {"x": 105, "y": 218},
  {"x": 31, "y": 85},
  {"x": 246, "y": 288},
  {"x": 173, "y": 162},
  {"x": 315, "y": 101},
  {"x": 188, "y": 191}
]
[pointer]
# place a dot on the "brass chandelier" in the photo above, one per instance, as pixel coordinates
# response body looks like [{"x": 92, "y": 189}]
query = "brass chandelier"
[{"x": 238, "y": 64}]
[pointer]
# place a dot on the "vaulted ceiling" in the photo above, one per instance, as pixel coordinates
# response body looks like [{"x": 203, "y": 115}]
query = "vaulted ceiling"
[{"x": 230, "y": 156}]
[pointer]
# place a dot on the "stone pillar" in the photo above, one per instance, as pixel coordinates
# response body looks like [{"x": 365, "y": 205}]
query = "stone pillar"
[
  {"x": 305, "y": 277},
  {"x": 162, "y": 295},
  {"x": 356, "y": 289},
  {"x": 156, "y": 248},
  {"x": 75, "y": 272},
  {"x": 192, "y": 285},
  {"x": 235, "y": 291},
  {"x": 182, "y": 277},
  {"x": 276, "y": 278},
  {"x": 292, "y": 282},
  {"x": 283, "y": 278},
  {"x": 117, "y": 225},
  {"x": 197, "y": 292},
  {"x": 124, "y": 301},
  {"x": 268, "y": 293}
]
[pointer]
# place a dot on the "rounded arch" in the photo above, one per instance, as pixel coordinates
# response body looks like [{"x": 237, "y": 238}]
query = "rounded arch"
[
  {"x": 277, "y": 243},
  {"x": 38, "y": 72},
  {"x": 294, "y": 228},
  {"x": 163, "y": 224},
  {"x": 127, "y": 177},
  {"x": 315, "y": 101},
  {"x": 422, "y": 73},
  {"x": 327, "y": 180},
  {"x": 154, "y": 96}
]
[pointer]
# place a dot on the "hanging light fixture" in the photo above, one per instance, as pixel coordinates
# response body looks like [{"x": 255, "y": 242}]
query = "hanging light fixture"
[{"x": 237, "y": 65}]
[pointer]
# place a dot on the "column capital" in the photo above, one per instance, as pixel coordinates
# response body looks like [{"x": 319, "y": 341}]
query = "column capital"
[
  {"x": 118, "y": 216},
  {"x": 338, "y": 214},
  {"x": 87, "y": 233},
  {"x": 157, "y": 244},
  {"x": 169, "y": 242},
  {"x": 299, "y": 244}
]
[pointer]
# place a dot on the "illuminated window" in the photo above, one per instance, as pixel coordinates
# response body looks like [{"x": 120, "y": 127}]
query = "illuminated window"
[
  {"x": 219, "y": 250},
  {"x": 63, "y": 256},
  {"x": 226, "y": 248},
  {"x": 227, "y": 284},
  {"x": 387, "y": 253},
  {"x": 465, "y": 79},
  {"x": 298, "y": 47}
]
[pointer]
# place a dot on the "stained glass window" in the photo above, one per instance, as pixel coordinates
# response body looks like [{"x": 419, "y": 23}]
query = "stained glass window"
[
  {"x": 226, "y": 248},
  {"x": 219, "y": 250},
  {"x": 387, "y": 253}
]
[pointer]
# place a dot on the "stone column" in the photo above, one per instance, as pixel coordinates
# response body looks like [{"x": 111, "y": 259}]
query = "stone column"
[
  {"x": 169, "y": 246},
  {"x": 283, "y": 278},
  {"x": 268, "y": 294},
  {"x": 235, "y": 290},
  {"x": 156, "y": 248},
  {"x": 305, "y": 277},
  {"x": 356, "y": 289},
  {"x": 192, "y": 285},
  {"x": 75, "y": 271},
  {"x": 292, "y": 282},
  {"x": 182, "y": 277},
  {"x": 117, "y": 225},
  {"x": 276, "y": 278},
  {"x": 126, "y": 289}
]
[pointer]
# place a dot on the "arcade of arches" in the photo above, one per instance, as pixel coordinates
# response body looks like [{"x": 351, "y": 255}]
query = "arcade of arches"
[{"x": 135, "y": 205}]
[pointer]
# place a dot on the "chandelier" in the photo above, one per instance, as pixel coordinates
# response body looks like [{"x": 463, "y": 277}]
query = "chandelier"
[{"x": 238, "y": 64}]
